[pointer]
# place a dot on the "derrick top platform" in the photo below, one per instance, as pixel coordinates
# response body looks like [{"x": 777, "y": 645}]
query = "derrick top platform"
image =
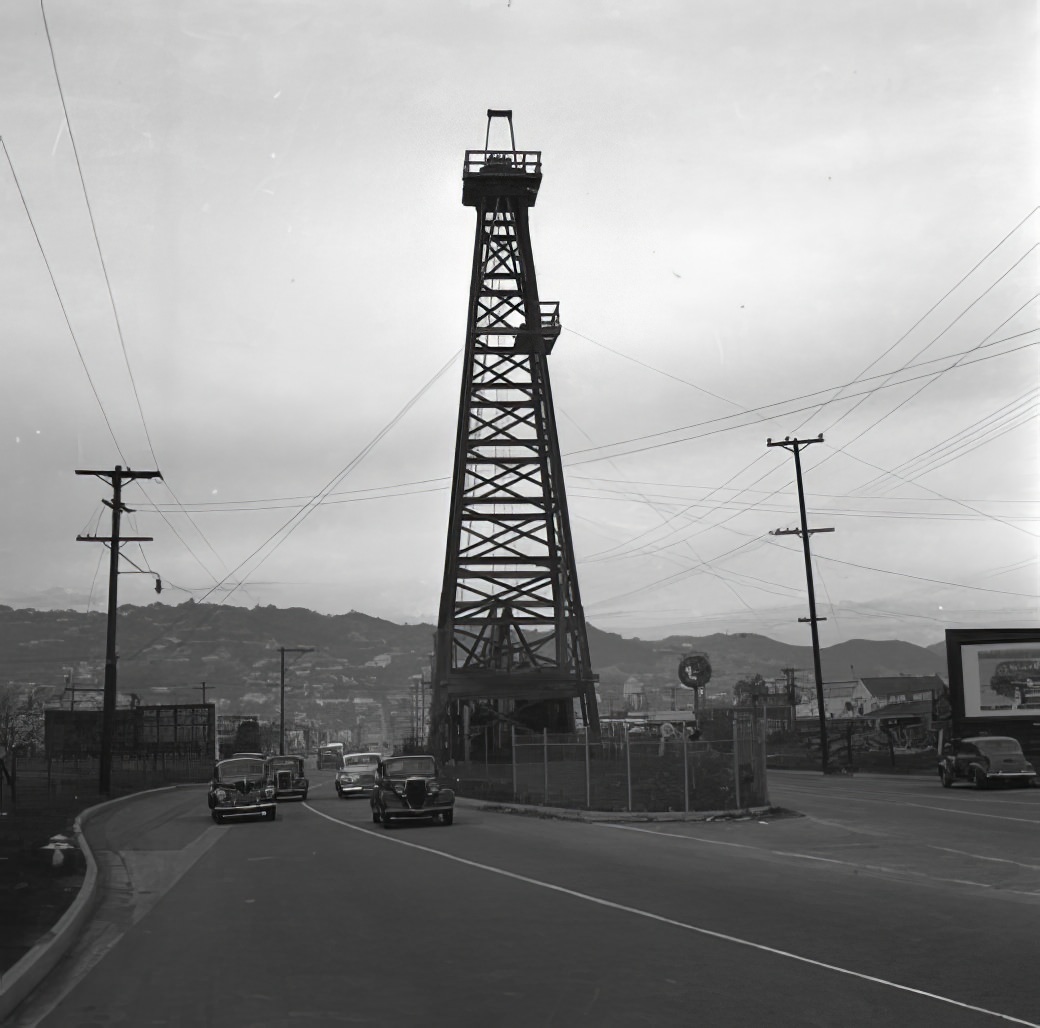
[{"x": 505, "y": 171}]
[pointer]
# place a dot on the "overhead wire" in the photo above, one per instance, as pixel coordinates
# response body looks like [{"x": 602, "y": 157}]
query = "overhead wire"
[{"x": 115, "y": 310}]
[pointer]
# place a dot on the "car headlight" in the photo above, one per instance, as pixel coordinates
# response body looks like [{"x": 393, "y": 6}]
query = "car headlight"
[
  {"x": 350, "y": 778},
  {"x": 269, "y": 792},
  {"x": 399, "y": 789},
  {"x": 433, "y": 788},
  {"x": 221, "y": 795}
]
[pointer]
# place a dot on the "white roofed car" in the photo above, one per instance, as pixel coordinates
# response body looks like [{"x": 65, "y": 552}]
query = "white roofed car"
[{"x": 357, "y": 776}]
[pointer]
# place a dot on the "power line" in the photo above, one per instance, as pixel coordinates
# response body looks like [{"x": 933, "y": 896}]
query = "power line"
[{"x": 61, "y": 302}]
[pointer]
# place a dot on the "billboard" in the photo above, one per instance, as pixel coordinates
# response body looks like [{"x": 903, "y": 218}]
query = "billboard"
[{"x": 994, "y": 673}]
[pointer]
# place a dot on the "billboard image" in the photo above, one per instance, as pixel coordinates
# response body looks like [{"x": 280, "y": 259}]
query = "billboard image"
[{"x": 1001, "y": 679}]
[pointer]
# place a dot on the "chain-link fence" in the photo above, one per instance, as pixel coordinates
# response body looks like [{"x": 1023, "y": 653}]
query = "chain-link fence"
[
  {"x": 37, "y": 784},
  {"x": 649, "y": 770}
]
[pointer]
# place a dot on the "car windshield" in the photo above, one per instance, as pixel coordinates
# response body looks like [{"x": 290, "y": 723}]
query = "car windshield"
[
  {"x": 401, "y": 766},
  {"x": 361, "y": 759},
  {"x": 291, "y": 763},
  {"x": 999, "y": 746},
  {"x": 234, "y": 770}
]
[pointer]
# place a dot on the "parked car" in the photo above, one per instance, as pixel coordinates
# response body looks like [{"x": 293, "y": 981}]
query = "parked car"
[
  {"x": 241, "y": 787},
  {"x": 409, "y": 788},
  {"x": 357, "y": 775},
  {"x": 985, "y": 760},
  {"x": 287, "y": 773}
]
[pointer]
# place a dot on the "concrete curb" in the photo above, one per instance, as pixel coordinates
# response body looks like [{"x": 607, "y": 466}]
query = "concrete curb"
[
  {"x": 618, "y": 816},
  {"x": 24, "y": 976}
]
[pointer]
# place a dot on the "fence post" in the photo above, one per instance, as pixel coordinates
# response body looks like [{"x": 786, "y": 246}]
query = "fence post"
[
  {"x": 736, "y": 761},
  {"x": 628, "y": 766},
  {"x": 588, "y": 773},
  {"x": 686, "y": 770},
  {"x": 545, "y": 761},
  {"x": 512, "y": 732}
]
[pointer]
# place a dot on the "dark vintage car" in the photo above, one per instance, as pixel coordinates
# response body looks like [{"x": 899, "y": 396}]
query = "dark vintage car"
[
  {"x": 985, "y": 760},
  {"x": 288, "y": 777},
  {"x": 409, "y": 788},
  {"x": 357, "y": 775},
  {"x": 241, "y": 787}
]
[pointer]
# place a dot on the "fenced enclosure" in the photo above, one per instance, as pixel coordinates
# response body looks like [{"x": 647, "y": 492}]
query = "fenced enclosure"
[
  {"x": 629, "y": 771},
  {"x": 41, "y": 784}
]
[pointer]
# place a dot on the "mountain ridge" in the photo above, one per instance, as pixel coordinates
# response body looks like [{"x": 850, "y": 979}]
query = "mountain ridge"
[{"x": 166, "y": 651}]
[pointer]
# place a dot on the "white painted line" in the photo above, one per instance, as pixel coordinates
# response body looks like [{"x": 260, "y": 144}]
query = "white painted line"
[
  {"x": 980, "y": 856},
  {"x": 976, "y": 813},
  {"x": 876, "y": 868},
  {"x": 673, "y": 923}
]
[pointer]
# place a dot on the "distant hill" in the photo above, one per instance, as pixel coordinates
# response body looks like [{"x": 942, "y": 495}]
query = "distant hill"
[
  {"x": 167, "y": 651},
  {"x": 740, "y": 655}
]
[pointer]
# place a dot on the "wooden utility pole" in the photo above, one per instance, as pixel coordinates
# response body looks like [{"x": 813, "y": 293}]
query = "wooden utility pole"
[
  {"x": 795, "y": 446},
  {"x": 203, "y": 687},
  {"x": 283, "y": 650},
  {"x": 115, "y": 478}
]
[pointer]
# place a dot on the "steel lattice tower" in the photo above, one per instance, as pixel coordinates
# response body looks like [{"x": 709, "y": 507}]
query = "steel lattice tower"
[{"x": 511, "y": 632}]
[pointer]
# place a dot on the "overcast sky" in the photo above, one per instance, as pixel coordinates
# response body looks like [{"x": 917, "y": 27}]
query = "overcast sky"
[{"x": 762, "y": 219}]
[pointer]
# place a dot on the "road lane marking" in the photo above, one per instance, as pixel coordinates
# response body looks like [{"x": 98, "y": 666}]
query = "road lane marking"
[
  {"x": 876, "y": 868},
  {"x": 980, "y": 856},
  {"x": 660, "y": 919},
  {"x": 976, "y": 813}
]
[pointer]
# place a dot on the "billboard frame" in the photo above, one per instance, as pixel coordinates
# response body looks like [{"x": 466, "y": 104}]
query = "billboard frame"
[{"x": 965, "y": 650}]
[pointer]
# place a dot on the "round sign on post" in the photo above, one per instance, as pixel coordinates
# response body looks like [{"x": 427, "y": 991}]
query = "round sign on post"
[{"x": 694, "y": 670}]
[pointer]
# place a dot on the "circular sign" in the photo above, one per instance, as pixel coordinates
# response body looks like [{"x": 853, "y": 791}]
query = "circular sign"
[{"x": 694, "y": 670}]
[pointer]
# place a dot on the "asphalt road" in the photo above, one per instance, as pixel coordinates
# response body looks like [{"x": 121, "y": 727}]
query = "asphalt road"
[{"x": 892, "y": 902}]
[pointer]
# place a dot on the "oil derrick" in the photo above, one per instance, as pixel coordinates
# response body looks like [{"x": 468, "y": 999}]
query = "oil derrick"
[{"x": 511, "y": 647}]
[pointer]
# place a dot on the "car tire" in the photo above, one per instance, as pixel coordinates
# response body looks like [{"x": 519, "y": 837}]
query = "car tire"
[
  {"x": 981, "y": 782},
  {"x": 386, "y": 819},
  {"x": 375, "y": 816},
  {"x": 303, "y": 798},
  {"x": 448, "y": 817},
  {"x": 218, "y": 818},
  {"x": 946, "y": 778},
  {"x": 271, "y": 815}
]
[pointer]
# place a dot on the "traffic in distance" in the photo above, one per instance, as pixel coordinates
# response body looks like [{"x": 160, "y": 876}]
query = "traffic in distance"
[{"x": 402, "y": 788}]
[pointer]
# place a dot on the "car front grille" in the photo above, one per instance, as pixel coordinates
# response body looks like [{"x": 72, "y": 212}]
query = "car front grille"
[{"x": 415, "y": 792}]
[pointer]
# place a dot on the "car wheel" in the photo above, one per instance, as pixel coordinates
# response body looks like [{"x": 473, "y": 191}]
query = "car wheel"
[
  {"x": 981, "y": 782},
  {"x": 386, "y": 819},
  {"x": 339, "y": 792},
  {"x": 946, "y": 778},
  {"x": 217, "y": 817},
  {"x": 271, "y": 815},
  {"x": 447, "y": 817},
  {"x": 375, "y": 816},
  {"x": 303, "y": 798}
]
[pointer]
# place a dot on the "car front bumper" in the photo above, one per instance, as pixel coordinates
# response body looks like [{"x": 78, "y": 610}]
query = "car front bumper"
[{"x": 245, "y": 810}]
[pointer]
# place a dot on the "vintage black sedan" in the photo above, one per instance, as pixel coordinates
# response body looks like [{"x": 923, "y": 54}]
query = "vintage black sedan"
[
  {"x": 241, "y": 788},
  {"x": 409, "y": 789},
  {"x": 985, "y": 760},
  {"x": 290, "y": 783}
]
